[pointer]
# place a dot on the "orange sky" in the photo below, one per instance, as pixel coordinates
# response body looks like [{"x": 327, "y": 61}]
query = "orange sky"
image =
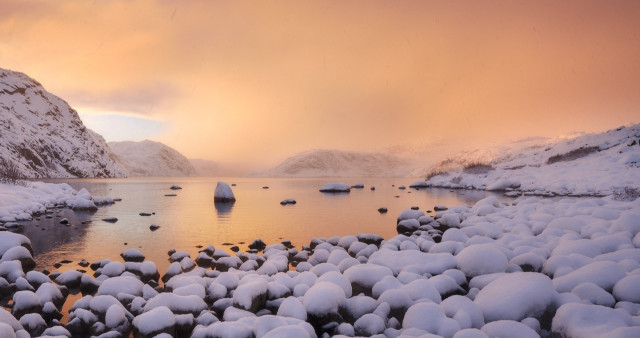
[{"x": 254, "y": 82}]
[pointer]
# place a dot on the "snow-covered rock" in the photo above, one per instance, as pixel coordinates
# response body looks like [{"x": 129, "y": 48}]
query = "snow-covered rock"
[
  {"x": 44, "y": 137},
  {"x": 156, "y": 321},
  {"x": 223, "y": 193},
  {"x": 335, "y": 187},
  {"x": 149, "y": 158},
  {"x": 515, "y": 296}
]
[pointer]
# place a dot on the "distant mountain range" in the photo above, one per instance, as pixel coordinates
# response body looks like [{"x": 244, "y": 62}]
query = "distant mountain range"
[
  {"x": 44, "y": 137},
  {"x": 149, "y": 158},
  {"x": 338, "y": 163}
]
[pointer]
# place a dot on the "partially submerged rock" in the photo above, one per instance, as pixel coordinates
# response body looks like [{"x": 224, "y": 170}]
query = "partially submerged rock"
[{"x": 335, "y": 187}]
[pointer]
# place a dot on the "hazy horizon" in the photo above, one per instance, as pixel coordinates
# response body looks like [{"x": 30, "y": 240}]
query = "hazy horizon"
[{"x": 252, "y": 84}]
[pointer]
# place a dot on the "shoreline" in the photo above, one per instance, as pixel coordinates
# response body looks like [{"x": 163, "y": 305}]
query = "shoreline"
[{"x": 457, "y": 262}]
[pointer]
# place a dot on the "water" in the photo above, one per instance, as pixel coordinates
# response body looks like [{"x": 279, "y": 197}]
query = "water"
[{"x": 192, "y": 219}]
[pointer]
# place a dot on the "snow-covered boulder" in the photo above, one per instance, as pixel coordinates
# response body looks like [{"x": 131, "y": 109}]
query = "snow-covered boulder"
[
  {"x": 481, "y": 259},
  {"x": 516, "y": 296},
  {"x": 323, "y": 300},
  {"x": 575, "y": 320},
  {"x": 335, "y": 187},
  {"x": 223, "y": 193},
  {"x": 154, "y": 322},
  {"x": 132, "y": 255},
  {"x": 251, "y": 296}
]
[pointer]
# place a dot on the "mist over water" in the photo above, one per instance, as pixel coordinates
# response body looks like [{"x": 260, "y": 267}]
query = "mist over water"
[{"x": 192, "y": 218}]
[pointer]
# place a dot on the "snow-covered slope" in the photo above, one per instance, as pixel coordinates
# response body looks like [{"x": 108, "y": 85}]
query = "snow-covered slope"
[
  {"x": 588, "y": 164},
  {"x": 148, "y": 158},
  {"x": 44, "y": 137},
  {"x": 337, "y": 163}
]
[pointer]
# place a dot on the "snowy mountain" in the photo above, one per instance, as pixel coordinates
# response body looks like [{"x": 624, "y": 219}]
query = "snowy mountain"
[
  {"x": 148, "y": 158},
  {"x": 337, "y": 163},
  {"x": 44, "y": 137},
  {"x": 587, "y": 164}
]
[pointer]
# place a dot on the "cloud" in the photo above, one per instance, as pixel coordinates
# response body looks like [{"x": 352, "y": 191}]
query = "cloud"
[
  {"x": 139, "y": 99},
  {"x": 246, "y": 81},
  {"x": 116, "y": 126}
]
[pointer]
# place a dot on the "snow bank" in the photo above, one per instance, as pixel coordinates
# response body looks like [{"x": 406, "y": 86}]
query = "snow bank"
[{"x": 21, "y": 202}]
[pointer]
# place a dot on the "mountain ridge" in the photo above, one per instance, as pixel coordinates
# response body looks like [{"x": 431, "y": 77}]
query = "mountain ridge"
[
  {"x": 150, "y": 158},
  {"x": 43, "y": 137}
]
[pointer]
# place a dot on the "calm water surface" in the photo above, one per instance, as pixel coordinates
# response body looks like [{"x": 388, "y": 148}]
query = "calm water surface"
[{"x": 192, "y": 218}]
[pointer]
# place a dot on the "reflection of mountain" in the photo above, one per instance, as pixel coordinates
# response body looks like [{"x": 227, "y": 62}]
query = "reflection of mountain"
[
  {"x": 148, "y": 158},
  {"x": 338, "y": 163},
  {"x": 223, "y": 208},
  {"x": 44, "y": 137}
]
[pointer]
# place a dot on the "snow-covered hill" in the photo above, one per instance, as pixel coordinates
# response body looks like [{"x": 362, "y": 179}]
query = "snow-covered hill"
[
  {"x": 587, "y": 164},
  {"x": 149, "y": 158},
  {"x": 337, "y": 163},
  {"x": 44, "y": 137}
]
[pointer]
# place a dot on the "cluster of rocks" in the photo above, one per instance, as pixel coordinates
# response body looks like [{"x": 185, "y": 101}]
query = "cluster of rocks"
[{"x": 536, "y": 268}]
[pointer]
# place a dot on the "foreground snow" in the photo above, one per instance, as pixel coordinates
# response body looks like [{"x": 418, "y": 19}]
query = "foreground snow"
[
  {"x": 569, "y": 267},
  {"x": 595, "y": 164},
  {"x": 21, "y": 202}
]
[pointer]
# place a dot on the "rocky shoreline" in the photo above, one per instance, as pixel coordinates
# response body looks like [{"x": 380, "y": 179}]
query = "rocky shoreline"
[{"x": 534, "y": 268}]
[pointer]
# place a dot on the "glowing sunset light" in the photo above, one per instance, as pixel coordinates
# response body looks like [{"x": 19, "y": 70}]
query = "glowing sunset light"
[{"x": 254, "y": 82}]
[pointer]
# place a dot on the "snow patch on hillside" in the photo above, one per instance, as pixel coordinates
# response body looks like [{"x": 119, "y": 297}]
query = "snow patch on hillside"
[
  {"x": 44, "y": 137},
  {"x": 149, "y": 158}
]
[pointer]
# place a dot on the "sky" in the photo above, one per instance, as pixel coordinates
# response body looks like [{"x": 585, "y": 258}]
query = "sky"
[{"x": 253, "y": 82}]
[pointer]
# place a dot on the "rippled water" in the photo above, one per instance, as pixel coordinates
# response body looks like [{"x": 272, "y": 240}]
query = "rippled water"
[{"x": 192, "y": 218}]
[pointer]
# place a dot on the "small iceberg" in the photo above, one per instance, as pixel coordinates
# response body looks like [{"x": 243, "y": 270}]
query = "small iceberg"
[
  {"x": 223, "y": 193},
  {"x": 335, "y": 187}
]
